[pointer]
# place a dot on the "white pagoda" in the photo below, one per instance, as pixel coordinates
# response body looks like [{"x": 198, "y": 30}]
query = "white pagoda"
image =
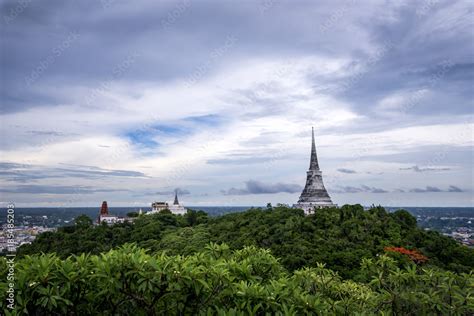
[{"x": 314, "y": 194}]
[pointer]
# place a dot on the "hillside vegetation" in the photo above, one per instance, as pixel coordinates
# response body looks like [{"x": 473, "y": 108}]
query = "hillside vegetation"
[
  {"x": 273, "y": 261},
  {"x": 338, "y": 237}
]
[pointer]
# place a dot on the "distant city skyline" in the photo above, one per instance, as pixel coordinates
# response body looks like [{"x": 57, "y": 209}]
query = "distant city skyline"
[{"x": 129, "y": 101}]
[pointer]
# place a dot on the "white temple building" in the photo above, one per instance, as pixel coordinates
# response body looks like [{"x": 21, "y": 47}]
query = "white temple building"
[
  {"x": 156, "y": 207},
  {"x": 175, "y": 208}
]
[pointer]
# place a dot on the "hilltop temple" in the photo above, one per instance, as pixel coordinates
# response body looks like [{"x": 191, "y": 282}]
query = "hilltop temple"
[
  {"x": 106, "y": 217},
  {"x": 175, "y": 208},
  {"x": 314, "y": 194}
]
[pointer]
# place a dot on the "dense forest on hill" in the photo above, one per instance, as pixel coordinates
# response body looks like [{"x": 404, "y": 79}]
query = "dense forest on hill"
[
  {"x": 276, "y": 260},
  {"x": 338, "y": 237}
]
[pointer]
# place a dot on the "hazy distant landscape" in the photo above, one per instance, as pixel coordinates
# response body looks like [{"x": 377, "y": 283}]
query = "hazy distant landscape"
[{"x": 56, "y": 217}]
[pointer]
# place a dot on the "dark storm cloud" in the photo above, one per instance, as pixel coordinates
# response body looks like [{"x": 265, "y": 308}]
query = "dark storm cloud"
[
  {"x": 50, "y": 133},
  {"x": 163, "y": 34},
  {"x": 26, "y": 173},
  {"x": 257, "y": 187},
  {"x": 51, "y": 189},
  {"x": 427, "y": 189},
  {"x": 348, "y": 189},
  {"x": 427, "y": 169},
  {"x": 239, "y": 161},
  {"x": 12, "y": 165},
  {"x": 360, "y": 189},
  {"x": 431, "y": 189},
  {"x": 453, "y": 188},
  {"x": 426, "y": 43},
  {"x": 99, "y": 173},
  {"x": 344, "y": 170}
]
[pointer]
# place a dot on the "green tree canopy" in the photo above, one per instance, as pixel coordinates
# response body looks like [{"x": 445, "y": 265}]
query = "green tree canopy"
[{"x": 219, "y": 281}]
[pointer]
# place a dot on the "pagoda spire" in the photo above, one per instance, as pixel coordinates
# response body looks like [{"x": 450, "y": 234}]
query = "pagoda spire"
[
  {"x": 176, "y": 197},
  {"x": 104, "y": 209},
  {"x": 314, "y": 194},
  {"x": 313, "y": 164}
]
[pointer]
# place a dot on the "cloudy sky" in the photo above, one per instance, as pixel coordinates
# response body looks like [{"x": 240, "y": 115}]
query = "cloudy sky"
[{"x": 126, "y": 101}]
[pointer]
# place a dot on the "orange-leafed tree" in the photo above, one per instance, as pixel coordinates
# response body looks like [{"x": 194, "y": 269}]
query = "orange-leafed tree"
[{"x": 414, "y": 255}]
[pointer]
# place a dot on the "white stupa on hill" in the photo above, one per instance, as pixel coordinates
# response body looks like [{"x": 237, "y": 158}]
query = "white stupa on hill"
[
  {"x": 314, "y": 194},
  {"x": 177, "y": 208}
]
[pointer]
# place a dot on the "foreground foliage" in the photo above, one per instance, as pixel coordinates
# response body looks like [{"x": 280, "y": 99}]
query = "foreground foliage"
[{"x": 220, "y": 281}]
